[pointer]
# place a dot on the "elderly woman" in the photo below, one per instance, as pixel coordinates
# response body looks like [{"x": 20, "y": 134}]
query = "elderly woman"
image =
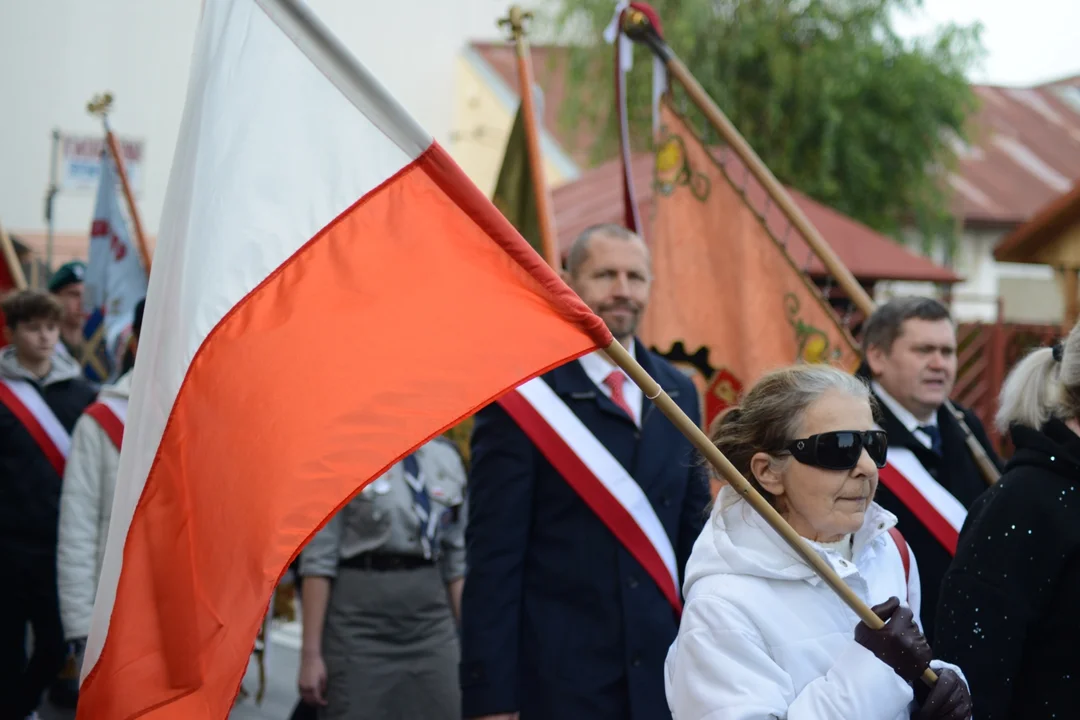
[
  {"x": 1008, "y": 607},
  {"x": 761, "y": 636}
]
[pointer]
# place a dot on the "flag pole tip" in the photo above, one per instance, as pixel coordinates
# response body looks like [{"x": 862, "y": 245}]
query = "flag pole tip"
[
  {"x": 100, "y": 104},
  {"x": 515, "y": 21},
  {"x": 640, "y": 28}
]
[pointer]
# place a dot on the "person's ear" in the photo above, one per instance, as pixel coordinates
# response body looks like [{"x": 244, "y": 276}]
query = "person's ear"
[
  {"x": 764, "y": 470},
  {"x": 9, "y": 337},
  {"x": 875, "y": 358}
]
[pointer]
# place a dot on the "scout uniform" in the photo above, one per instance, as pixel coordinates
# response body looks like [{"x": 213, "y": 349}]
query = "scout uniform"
[{"x": 390, "y": 640}]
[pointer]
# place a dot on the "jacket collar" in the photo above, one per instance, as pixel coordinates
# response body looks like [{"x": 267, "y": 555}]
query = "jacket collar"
[
  {"x": 121, "y": 388},
  {"x": 63, "y": 368},
  {"x": 1055, "y": 448},
  {"x": 752, "y": 547},
  {"x": 900, "y": 436},
  {"x": 572, "y": 383}
]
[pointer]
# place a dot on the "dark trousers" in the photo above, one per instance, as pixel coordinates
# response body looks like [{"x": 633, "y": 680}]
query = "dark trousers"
[
  {"x": 28, "y": 597},
  {"x": 303, "y": 711}
]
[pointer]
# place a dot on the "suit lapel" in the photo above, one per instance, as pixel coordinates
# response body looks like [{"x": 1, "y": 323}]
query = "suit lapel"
[
  {"x": 649, "y": 413},
  {"x": 648, "y": 456},
  {"x": 572, "y": 383},
  {"x": 959, "y": 473},
  {"x": 900, "y": 436},
  {"x": 658, "y": 436}
]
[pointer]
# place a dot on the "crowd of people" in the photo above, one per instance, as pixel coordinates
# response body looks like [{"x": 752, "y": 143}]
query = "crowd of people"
[
  {"x": 60, "y": 438},
  {"x": 578, "y": 567}
]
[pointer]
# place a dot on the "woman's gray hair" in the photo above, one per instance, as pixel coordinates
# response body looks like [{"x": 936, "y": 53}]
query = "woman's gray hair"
[
  {"x": 1045, "y": 384},
  {"x": 772, "y": 412}
]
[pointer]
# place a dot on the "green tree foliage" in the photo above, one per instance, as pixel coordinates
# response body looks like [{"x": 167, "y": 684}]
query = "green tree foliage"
[{"x": 831, "y": 98}]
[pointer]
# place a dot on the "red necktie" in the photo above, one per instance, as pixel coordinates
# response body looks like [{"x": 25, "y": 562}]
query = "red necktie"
[{"x": 615, "y": 381}]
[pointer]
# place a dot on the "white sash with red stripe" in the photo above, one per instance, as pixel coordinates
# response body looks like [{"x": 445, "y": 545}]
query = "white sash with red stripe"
[
  {"x": 117, "y": 405},
  {"x": 935, "y": 507},
  {"x": 601, "y": 481},
  {"x": 111, "y": 414},
  {"x": 26, "y": 403}
]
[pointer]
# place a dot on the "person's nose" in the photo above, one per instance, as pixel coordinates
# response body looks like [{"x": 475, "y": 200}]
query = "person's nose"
[
  {"x": 621, "y": 287},
  {"x": 937, "y": 361},
  {"x": 866, "y": 467}
]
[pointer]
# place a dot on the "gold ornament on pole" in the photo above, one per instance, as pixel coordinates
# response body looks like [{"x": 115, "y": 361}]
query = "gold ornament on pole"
[{"x": 99, "y": 106}]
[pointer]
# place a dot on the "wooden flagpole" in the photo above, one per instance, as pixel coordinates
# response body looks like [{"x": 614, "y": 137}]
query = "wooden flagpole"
[
  {"x": 12, "y": 259},
  {"x": 654, "y": 392},
  {"x": 638, "y": 27},
  {"x": 548, "y": 239},
  {"x": 100, "y": 105},
  {"x": 673, "y": 412},
  {"x": 733, "y": 477}
]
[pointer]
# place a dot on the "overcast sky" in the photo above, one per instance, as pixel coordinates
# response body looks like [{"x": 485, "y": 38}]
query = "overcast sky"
[{"x": 1027, "y": 42}]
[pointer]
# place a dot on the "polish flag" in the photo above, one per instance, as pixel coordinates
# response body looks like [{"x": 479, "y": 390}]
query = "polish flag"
[{"x": 329, "y": 292}]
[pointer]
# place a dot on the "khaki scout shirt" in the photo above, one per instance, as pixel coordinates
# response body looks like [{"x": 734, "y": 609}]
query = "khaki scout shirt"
[{"x": 382, "y": 519}]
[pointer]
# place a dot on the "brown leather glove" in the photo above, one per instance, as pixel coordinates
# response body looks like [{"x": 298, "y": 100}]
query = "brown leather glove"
[
  {"x": 947, "y": 700},
  {"x": 899, "y": 644}
]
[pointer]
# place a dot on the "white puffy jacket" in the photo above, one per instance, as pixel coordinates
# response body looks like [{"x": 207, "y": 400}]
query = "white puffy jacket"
[
  {"x": 763, "y": 637},
  {"x": 85, "y": 509}
]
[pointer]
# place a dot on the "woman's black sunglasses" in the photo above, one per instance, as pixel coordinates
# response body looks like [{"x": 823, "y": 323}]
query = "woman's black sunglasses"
[{"x": 841, "y": 449}]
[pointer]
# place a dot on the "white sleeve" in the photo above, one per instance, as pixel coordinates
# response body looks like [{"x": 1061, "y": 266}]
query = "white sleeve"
[
  {"x": 719, "y": 668},
  {"x": 914, "y": 589},
  {"x": 79, "y": 528}
]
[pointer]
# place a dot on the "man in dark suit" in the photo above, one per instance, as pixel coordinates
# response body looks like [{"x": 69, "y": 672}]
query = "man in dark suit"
[
  {"x": 909, "y": 346},
  {"x": 559, "y": 619}
]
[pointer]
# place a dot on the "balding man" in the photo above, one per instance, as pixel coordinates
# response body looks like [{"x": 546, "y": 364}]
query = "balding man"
[{"x": 572, "y": 594}]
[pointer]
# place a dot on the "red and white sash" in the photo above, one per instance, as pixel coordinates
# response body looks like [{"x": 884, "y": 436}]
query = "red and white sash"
[
  {"x": 26, "y": 403},
  {"x": 594, "y": 473},
  {"x": 110, "y": 413},
  {"x": 935, "y": 507}
]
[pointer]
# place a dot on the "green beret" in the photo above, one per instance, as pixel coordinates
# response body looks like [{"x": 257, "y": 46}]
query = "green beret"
[{"x": 68, "y": 274}]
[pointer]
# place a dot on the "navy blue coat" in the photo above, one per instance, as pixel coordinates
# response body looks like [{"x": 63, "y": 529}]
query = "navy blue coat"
[
  {"x": 559, "y": 620},
  {"x": 957, "y": 472}
]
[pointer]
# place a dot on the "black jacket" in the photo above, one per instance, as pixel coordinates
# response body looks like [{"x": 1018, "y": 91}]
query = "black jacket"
[
  {"x": 29, "y": 486},
  {"x": 559, "y": 621},
  {"x": 956, "y": 470},
  {"x": 1008, "y": 609}
]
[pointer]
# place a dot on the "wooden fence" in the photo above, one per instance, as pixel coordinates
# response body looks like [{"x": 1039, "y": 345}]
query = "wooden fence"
[{"x": 985, "y": 353}]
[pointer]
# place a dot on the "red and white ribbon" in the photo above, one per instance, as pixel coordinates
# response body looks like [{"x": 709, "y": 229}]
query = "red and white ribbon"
[
  {"x": 598, "y": 477},
  {"x": 27, "y": 404},
  {"x": 935, "y": 507}
]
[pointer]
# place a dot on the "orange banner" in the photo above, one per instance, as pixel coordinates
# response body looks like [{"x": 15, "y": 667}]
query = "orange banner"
[{"x": 728, "y": 303}]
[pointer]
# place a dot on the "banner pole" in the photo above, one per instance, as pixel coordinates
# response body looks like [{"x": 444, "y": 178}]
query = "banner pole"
[
  {"x": 733, "y": 477},
  {"x": 638, "y": 28},
  {"x": 100, "y": 105},
  {"x": 548, "y": 240}
]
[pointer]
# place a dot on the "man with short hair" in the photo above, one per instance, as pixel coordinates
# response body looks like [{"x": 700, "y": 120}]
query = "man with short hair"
[
  {"x": 909, "y": 350},
  {"x": 42, "y": 394},
  {"x": 67, "y": 285},
  {"x": 564, "y": 616}
]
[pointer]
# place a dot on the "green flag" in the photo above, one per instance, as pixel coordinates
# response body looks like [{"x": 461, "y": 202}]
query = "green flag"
[
  {"x": 514, "y": 195},
  {"x": 515, "y": 199}
]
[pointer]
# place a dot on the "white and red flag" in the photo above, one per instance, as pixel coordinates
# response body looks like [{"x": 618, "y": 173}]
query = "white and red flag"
[{"x": 330, "y": 291}]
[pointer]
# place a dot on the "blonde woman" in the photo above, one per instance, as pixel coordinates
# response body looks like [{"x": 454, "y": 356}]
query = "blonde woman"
[
  {"x": 761, "y": 636},
  {"x": 1009, "y": 601}
]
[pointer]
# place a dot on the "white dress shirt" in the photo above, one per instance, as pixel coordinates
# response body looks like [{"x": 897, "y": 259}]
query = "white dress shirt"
[
  {"x": 597, "y": 366},
  {"x": 904, "y": 415}
]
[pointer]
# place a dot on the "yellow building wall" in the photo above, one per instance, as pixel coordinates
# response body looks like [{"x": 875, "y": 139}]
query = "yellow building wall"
[{"x": 482, "y": 122}]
